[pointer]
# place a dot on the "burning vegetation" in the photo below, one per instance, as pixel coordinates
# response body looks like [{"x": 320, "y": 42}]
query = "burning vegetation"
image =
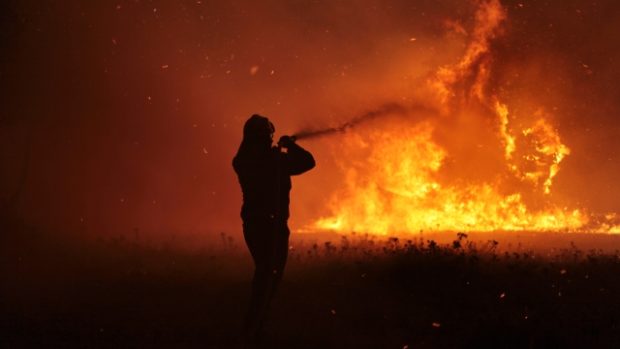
[{"x": 458, "y": 160}]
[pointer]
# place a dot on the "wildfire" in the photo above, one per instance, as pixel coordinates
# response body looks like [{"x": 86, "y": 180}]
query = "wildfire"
[
  {"x": 397, "y": 190},
  {"x": 398, "y": 184}
]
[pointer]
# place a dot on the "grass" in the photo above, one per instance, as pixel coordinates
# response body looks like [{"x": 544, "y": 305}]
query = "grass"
[{"x": 357, "y": 292}]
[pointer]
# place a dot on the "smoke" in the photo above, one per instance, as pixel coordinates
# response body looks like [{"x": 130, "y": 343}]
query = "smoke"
[
  {"x": 470, "y": 163},
  {"x": 139, "y": 128}
]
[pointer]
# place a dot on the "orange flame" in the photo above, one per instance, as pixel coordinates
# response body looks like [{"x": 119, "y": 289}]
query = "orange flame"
[
  {"x": 473, "y": 69},
  {"x": 398, "y": 186},
  {"x": 396, "y": 190}
]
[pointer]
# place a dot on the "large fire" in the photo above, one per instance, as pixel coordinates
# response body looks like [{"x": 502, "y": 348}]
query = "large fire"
[{"x": 484, "y": 172}]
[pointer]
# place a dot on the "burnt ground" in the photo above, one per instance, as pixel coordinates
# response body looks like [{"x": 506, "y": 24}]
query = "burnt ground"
[{"x": 350, "y": 293}]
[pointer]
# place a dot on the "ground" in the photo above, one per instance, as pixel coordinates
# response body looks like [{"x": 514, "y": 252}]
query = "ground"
[{"x": 353, "y": 292}]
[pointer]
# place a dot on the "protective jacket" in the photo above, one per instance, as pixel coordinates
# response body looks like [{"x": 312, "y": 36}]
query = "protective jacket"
[{"x": 265, "y": 179}]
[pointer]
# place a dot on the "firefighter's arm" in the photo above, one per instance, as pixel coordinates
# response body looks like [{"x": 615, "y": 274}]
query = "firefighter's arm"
[{"x": 298, "y": 159}]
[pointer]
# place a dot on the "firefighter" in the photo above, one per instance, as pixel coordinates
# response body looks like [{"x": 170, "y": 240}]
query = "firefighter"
[{"x": 264, "y": 172}]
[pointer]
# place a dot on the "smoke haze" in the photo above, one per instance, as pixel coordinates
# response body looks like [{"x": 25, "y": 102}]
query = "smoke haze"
[{"x": 133, "y": 110}]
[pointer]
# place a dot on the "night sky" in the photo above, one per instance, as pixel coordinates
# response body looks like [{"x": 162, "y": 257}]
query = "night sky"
[{"x": 133, "y": 110}]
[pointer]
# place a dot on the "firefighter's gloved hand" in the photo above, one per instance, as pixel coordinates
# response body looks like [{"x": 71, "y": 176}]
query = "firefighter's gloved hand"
[{"x": 286, "y": 141}]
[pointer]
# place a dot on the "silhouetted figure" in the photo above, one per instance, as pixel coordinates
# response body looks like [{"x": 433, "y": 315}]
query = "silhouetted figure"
[{"x": 264, "y": 174}]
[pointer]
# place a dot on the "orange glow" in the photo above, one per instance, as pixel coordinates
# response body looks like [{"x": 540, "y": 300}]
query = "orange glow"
[
  {"x": 396, "y": 183},
  {"x": 396, "y": 190},
  {"x": 501, "y": 105}
]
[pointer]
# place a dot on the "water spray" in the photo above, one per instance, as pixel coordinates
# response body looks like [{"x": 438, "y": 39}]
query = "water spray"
[{"x": 385, "y": 110}]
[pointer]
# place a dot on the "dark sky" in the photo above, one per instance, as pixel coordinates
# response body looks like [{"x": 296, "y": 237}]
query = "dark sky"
[{"x": 133, "y": 109}]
